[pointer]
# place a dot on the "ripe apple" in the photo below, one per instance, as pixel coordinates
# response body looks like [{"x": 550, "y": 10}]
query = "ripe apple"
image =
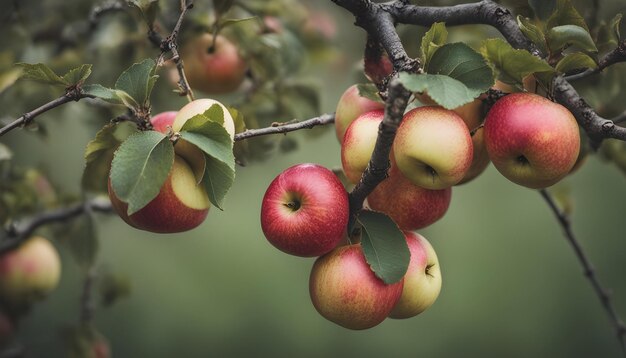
[
  {"x": 305, "y": 211},
  {"x": 200, "y": 106},
  {"x": 350, "y": 106},
  {"x": 344, "y": 289},
  {"x": 213, "y": 68},
  {"x": 358, "y": 144},
  {"x": 29, "y": 272},
  {"x": 433, "y": 147},
  {"x": 181, "y": 204},
  {"x": 163, "y": 120},
  {"x": 411, "y": 207},
  {"x": 422, "y": 281},
  {"x": 531, "y": 141},
  {"x": 377, "y": 69}
]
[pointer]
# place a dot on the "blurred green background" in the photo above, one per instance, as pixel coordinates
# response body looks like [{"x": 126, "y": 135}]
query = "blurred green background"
[{"x": 512, "y": 286}]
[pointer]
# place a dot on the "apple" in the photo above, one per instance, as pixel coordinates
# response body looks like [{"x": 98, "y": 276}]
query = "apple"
[
  {"x": 433, "y": 147},
  {"x": 377, "y": 69},
  {"x": 200, "y": 106},
  {"x": 350, "y": 106},
  {"x": 411, "y": 207},
  {"x": 344, "y": 289},
  {"x": 213, "y": 68},
  {"x": 29, "y": 272},
  {"x": 163, "y": 121},
  {"x": 422, "y": 281},
  {"x": 358, "y": 144},
  {"x": 305, "y": 211},
  {"x": 532, "y": 141}
]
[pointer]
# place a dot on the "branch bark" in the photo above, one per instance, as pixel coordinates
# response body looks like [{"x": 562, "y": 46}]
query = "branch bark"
[{"x": 285, "y": 128}]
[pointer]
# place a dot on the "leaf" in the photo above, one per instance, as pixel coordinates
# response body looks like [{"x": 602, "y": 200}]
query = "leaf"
[
  {"x": 149, "y": 9},
  {"x": 384, "y": 246},
  {"x": 240, "y": 123},
  {"x": 462, "y": 63},
  {"x": 77, "y": 75},
  {"x": 615, "y": 25},
  {"x": 369, "y": 91},
  {"x": 218, "y": 179},
  {"x": 140, "y": 167},
  {"x": 566, "y": 14},
  {"x": 229, "y": 22},
  {"x": 213, "y": 140},
  {"x": 575, "y": 61},
  {"x": 512, "y": 65},
  {"x": 41, "y": 73},
  {"x": 106, "y": 94},
  {"x": 434, "y": 38},
  {"x": 561, "y": 36},
  {"x": 446, "y": 91},
  {"x": 609, "y": 34},
  {"x": 138, "y": 81},
  {"x": 533, "y": 32},
  {"x": 542, "y": 8},
  {"x": 83, "y": 241}
]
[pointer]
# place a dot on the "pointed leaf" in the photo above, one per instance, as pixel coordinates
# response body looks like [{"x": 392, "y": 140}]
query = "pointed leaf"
[
  {"x": 149, "y": 9},
  {"x": 138, "y": 81},
  {"x": 512, "y": 65},
  {"x": 533, "y": 32},
  {"x": 434, "y": 38},
  {"x": 140, "y": 167},
  {"x": 106, "y": 94},
  {"x": 41, "y": 73},
  {"x": 77, "y": 75},
  {"x": 369, "y": 91},
  {"x": 566, "y": 14},
  {"x": 384, "y": 246},
  {"x": 561, "y": 36},
  {"x": 542, "y": 8},
  {"x": 213, "y": 140},
  {"x": 446, "y": 91},
  {"x": 575, "y": 61},
  {"x": 218, "y": 179}
]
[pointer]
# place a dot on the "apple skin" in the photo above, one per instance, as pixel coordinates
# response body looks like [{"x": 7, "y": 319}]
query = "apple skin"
[
  {"x": 358, "y": 144},
  {"x": 411, "y": 207},
  {"x": 29, "y": 272},
  {"x": 305, "y": 211},
  {"x": 199, "y": 106},
  {"x": 422, "y": 281},
  {"x": 433, "y": 147},
  {"x": 344, "y": 290},
  {"x": 181, "y": 204},
  {"x": 217, "y": 72},
  {"x": 162, "y": 121},
  {"x": 531, "y": 141},
  {"x": 350, "y": 106}
]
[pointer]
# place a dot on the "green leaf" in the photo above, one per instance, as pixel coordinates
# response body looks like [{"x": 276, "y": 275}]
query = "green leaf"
[
  {"x": 77, "y": 75},
  {"x": 218, "y": 179},
  {"x": 615, "y": 24},
  {"x": 446, "y": 91},
  {"x": 542, "y": 8},
  {"x": 384, "y": 246},
  {"x": 229, "y": 22},
  {"x": 369, "y": 91},
  {"x": 608, "y": 34},
  {"x": 140, "y": 167},
  {"x": 575, "y": 61},
  {"x": 99, "y": 154},
  {"x": 149, "y": 9},
  {"x": 41, "y": 73},
  {"x": 533, "y": 32},
  {"x": 434, "y": 38},
  {"x": 138, "y": 81},
  {"x": 106, "y": 94},
  {"x": 213, "y": 140},
  {"x": 83, "y": 241},
  {"x": 462, "y": 63},
  {"x": 512, "y": 65},
  {"x": 240, "y": 123},
  {"x": 222, "y": 6},
  {"x": 561, "y": 36},
  {"x": 566, "y": 14}
]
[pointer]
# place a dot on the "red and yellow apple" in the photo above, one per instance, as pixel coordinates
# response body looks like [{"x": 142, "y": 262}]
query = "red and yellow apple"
[
  {"x": 433, "y": 147},
  {"x": 422, "y": 281},
  {"x": 344, "y": 289},
  {"x": 29, "y": 272},
  {"x": 350, "y": 106},
  {"x": 532, "y": 141},
  {"x": 358, "y": 144},
  {"x": 305, "y": 211},
  {"x": 213, "y": 68}
]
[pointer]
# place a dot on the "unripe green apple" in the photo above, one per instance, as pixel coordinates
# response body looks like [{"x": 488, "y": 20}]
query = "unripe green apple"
[
  {"x": 350, "y": 106},
  {"x": 532, "y": 141},
  {"x": 358, "y": 144},
  {"x": 213, "y": 69},
  {"x": 411, "y": 207},
  {"x": 433, "y": 147},
  {"x": 422, "y": 281},
  {"x": 344, "y": 290},
  {"x": 29, "y": 272}
]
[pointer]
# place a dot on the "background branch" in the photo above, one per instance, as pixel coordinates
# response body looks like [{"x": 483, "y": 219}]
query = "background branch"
[{"x": 284, "y": 128}]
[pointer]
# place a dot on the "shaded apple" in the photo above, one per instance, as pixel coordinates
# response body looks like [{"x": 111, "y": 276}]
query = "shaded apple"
[
  {"x": 350, "y": 106},
  {"x": 358, "y": 144}
]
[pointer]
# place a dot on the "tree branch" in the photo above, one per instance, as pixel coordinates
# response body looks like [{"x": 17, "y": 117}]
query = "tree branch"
[
  {"x": 284, "y": 128},
  {"x": 18, "y": 232},
  {"x": 616, "y": 56},
  {"x": 601, "y": 292}
]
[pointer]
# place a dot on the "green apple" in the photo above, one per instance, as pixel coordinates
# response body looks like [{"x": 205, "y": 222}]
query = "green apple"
[
  {"x": 351, "y": 105},
  {"x": 433, "y": 147},
  {"x": 29, "y": 272},
  {"x": 532, "y": 141},
  {"x": 358, "y": 144}
]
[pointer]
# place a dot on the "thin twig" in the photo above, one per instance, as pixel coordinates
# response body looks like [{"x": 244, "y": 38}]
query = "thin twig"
[
  {"x": 616, "y": 56},
  {"x": 308, "y": 124},
  {"x": 601, "y": 292}
]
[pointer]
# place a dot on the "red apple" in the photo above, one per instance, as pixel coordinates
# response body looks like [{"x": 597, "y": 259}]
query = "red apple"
[
  {"x": 532, "y": 141},
  {"x": 411, "y": 207},
  {"x": 422, "y": 281},
  {"x": 29, "y": 272},
  {"x": 213, "y": 68},
  {"x": 344, "y": 289},
  {"x": 305, "y": 211},
  {"x": 358, "y": 144},
  {"x": 163, "y": 120},
  {"x": 350, "y": 106}
]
